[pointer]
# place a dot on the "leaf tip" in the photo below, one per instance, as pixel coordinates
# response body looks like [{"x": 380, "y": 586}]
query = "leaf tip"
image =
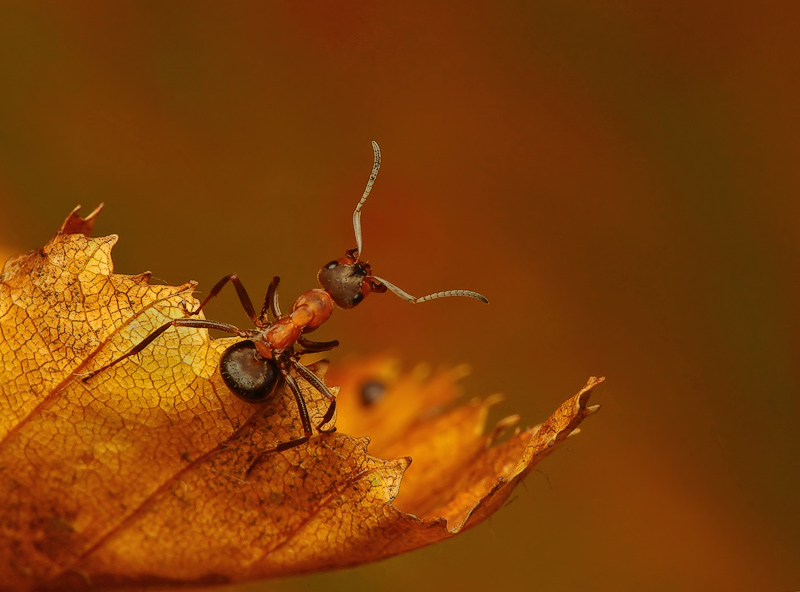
[
  {"x": 142, "y": 278},
  {"x": 75, "y": 224},
  {"x": 501, "y": 428}
]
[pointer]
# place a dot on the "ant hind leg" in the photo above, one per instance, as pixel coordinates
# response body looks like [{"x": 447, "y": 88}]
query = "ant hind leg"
[
  {"x": 318, "y": 384},
  {"x": 302, "y": 410},
  {"x": 193, "y": 323},
  {"x": 313, "y": 347}
]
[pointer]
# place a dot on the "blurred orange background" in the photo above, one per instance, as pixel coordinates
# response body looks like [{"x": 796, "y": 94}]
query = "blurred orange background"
[{"x": 620, "y": 179}]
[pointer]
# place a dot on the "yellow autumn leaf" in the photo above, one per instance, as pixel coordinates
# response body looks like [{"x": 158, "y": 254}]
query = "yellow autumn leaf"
[{"x": 154, "y": 473}]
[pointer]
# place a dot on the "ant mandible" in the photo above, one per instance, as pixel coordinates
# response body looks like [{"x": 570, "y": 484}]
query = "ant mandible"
[{"x": 253, "y": 368}]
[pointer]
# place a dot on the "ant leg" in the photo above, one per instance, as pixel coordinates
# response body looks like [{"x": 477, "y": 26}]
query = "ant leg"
[
  {"x": 316, "y": 346},
  {"x": 326, "y": 418},
  {"x": 271, "y": 301},
  {"x": 244, "y": 298},
  {"x": 279, "y": 448},
  {"x": 193, "y": 323},
  {"x": 301, "y": 409},
  {"x": 304, "y": 419},
  {"x": 318, "y": 384}
]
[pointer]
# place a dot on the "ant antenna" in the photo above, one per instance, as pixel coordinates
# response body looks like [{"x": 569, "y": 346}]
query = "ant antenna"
[
  {"x": 348, "y": 280},
  {"x": 357, "y": 213},
  {"x": 414, "y": 300}
]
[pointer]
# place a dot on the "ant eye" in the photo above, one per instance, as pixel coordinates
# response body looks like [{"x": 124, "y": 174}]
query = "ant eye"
[
  {"x": 358, "y": 297},
  {"x": 332, "y": 265}
]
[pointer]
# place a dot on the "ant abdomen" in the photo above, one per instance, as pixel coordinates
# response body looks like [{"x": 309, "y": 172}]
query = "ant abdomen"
[{"x": 247, "y": 374}]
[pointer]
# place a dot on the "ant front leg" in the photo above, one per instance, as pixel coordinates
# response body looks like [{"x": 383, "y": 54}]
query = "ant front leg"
[
  {"x": 244, "y": 298},
  {"x": 193, "y": 323}
]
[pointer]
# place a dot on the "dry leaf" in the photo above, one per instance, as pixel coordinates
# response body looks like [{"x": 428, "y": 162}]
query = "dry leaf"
[{"x": 150, "y": 473}]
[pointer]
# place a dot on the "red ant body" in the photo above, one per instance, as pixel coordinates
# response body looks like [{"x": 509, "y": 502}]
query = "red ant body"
[{"x": 253, "y": 368}]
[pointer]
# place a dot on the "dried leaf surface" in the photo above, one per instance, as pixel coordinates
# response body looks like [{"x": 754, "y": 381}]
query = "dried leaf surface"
[{"x": 151, "y": 473}]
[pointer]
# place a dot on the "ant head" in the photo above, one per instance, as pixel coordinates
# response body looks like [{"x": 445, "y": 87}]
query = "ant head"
[{"x": 348, "y": 280}]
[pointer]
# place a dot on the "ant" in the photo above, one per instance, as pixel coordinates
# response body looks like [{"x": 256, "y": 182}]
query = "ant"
[{"x": 253, "y": 368}]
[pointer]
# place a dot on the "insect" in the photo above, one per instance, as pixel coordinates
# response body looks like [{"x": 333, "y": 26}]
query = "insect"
[{"x": 270, "y": 354}]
